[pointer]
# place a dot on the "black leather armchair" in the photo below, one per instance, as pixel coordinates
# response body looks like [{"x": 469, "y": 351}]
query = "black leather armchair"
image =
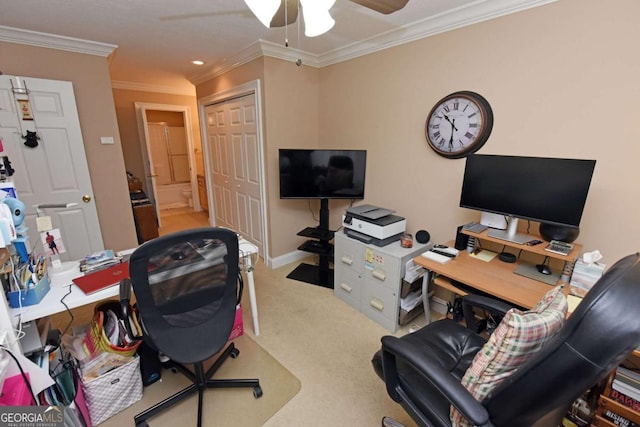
[
  {"x": 423, "y": 370},
  {"x": 187, "y": 286}
]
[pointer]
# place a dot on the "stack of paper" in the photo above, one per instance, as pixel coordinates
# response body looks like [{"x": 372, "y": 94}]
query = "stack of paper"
[
  {"x": 410, "y": 302},
  {"x": 98, "y": 261}
]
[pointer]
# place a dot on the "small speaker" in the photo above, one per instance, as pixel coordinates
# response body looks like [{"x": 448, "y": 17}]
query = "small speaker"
[
  {"x": 507, "y": 257},
  {"x": 423, "y": 236},
  {"x": 461, "y": 240},
  {"x": 557, "y": 232}
]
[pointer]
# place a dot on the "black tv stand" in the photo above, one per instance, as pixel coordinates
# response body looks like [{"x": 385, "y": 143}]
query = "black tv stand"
[{"x": 319, "y": 243}]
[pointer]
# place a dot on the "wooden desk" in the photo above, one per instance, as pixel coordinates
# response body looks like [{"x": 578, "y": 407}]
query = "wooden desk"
[{"x": 495, "y": 277}]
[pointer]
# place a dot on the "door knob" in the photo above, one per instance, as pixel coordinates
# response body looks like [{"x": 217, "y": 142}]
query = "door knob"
[{"x": 86, "y": 198}]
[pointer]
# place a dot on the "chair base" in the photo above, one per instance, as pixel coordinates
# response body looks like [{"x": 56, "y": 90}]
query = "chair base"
[
  {"x": 390, "y": 422},
  {"x": 201, "y": 381}
]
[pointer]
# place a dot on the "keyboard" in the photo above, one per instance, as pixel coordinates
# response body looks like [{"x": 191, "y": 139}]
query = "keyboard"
[
  {"x": 558, "y": 247},
  {"x": 442, "y": 259}
]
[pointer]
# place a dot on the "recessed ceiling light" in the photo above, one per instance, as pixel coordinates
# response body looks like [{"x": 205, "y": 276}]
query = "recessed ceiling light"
[{"x": 197, "y": 62}]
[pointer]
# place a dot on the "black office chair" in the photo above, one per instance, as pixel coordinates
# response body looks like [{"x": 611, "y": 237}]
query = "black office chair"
[
  {"x": 187, "y": 286},
  {"x": 423, "y": 370}
]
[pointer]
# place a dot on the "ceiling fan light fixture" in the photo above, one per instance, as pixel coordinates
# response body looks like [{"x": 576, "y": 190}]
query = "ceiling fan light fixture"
[
  {"x": 317, "y": 19},
  {"x": 264, "y": 9}
]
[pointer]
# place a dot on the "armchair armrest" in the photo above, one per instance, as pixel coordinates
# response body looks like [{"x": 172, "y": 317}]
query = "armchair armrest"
[
  {"x": 430, "y": 370},
  {"x": 125, "y": 306},
  {"x": 487, "y": 303}
]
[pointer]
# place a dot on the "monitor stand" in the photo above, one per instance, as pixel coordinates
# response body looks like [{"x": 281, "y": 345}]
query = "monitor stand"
[{"x": 510, "y": 234}]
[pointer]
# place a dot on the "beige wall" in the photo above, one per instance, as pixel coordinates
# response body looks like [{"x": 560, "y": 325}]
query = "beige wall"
[
  {"x": 132, "y": 146},
  {"x": 562, "y": 81},
  {"x": 290, "y": 119},
  {"x": 92, "y": 86}
]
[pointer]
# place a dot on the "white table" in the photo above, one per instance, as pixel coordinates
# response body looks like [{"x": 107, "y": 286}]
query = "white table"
[{"x": 52, "y": 304}]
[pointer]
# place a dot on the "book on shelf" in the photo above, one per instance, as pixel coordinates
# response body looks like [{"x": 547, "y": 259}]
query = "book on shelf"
[
  {"x": 624, "y": 399},
  {"x": 632, "y": 374},
  {"x": 624, "y": 382},
  {"x": 618, "y": 419},
  {"x": 626, "y": 389}
]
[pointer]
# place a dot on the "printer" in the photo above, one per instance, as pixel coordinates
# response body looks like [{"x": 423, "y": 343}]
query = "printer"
[{"x": 374, "y": 225}]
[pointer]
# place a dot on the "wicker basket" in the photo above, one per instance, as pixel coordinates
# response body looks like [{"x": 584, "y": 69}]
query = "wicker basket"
[{"x": 97, "y": 341}]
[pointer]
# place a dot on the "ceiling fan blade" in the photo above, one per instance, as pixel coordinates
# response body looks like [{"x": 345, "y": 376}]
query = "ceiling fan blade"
[
  {"x": 244, "y": 13},
  {"x": 383, "y": 6},
  {"x": 278, "y": 20}
]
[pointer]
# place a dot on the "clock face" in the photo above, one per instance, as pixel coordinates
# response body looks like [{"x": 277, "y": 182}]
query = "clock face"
[{"x": 459, "y": 124}]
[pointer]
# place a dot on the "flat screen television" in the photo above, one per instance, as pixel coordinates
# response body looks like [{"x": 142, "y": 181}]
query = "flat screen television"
[
  {"x": 551, "y": 191},
  {"x": 322, "y": 173}
]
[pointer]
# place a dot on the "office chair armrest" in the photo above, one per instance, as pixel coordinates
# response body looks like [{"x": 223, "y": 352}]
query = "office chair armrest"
[
  {"x": 471, "y": 301},
  {"x": 125, "y": 306},
  {"x": 240, "y": 287},
  {"x": 431, "y": 370}
]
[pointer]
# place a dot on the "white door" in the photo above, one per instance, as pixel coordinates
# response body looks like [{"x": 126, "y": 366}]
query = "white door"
[
  {"x": 219, "y": 165},
  {"x": 55, "y": 171},
  {"x": 234, "y": 167}
]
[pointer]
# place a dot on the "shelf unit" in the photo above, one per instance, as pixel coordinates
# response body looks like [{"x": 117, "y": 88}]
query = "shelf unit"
[
  {"x": 607, "y": 403},
  {"x": 569, "y": 260},
  {"x": 319, "y": 243}
]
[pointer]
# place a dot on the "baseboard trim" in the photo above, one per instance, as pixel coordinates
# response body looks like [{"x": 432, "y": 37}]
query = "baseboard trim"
[{"x": 288, "y": 258}]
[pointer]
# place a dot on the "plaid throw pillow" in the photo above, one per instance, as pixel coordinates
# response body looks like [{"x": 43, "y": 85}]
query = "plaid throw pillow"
[{"x": 518, "y": 336}]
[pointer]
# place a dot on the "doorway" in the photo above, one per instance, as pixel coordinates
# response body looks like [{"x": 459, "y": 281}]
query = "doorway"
[{"x": 170, "y": 161}]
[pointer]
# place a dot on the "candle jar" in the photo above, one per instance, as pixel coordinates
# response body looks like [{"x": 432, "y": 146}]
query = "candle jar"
[{"x": 406, "y": 241}]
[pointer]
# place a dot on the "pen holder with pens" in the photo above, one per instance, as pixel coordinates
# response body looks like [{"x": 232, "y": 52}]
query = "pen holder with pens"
[{"x": 33, "y": 294}]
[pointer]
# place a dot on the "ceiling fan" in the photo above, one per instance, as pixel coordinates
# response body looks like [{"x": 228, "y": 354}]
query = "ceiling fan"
[{"x": 316, "y": 14}]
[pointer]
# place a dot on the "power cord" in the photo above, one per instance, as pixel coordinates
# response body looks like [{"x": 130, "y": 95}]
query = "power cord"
[{"x": 70, "y": 315}]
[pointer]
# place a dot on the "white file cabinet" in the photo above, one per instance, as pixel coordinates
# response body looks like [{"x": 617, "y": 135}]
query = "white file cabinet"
[{"x": 369, "y": 277}]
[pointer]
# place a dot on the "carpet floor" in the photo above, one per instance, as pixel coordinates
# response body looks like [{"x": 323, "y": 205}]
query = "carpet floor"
[
  {"x": 320, "y": 341},
  {"x": 222, "y": 407}
]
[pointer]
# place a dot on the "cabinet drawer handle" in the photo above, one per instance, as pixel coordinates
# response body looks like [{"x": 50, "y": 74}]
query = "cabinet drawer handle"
[
  {"x": 346, "y": 287},
  {"x": 379, "y": 275},
  {"x": 377, "y": 304},
  {"x": 346, "y": 260}
]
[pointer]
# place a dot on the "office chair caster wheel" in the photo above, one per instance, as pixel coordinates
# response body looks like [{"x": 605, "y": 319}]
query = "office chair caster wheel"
[
  {"x": 257, "y": 392},
  {"x": 390, "y": 422},
  {"x": 142, "y": 424},
  {"x": 234, "y": 353}
]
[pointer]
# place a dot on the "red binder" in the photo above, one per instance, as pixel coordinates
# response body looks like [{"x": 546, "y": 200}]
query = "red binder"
[{"x": 101, "y": 279}]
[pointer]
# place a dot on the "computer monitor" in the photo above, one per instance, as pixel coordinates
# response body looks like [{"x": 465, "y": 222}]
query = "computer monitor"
[{"x": 552, "y": 191}]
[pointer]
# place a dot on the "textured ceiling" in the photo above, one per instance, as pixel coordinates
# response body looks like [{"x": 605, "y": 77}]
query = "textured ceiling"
[{"x": 157, "y": 39}]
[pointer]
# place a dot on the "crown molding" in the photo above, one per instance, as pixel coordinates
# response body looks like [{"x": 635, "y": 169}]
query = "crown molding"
[
  {"x": 118, "y": 84},
  {"x": 52, "y": 41},
  {"x": 479, "y": 11},
  {"x": 254, "y": 51}
]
